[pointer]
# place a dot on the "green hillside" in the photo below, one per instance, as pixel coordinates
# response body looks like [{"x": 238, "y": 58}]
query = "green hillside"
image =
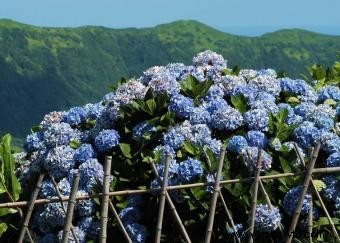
[{"x": 44, "y": 69}]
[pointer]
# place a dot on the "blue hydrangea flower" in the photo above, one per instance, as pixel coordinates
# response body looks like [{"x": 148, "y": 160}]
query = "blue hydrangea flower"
[
  {"x": 238, "y": 229},
  {"x": 51, "y": 217},
  {"x": 178, "y": 70},
  {"x": 190, "y": 170},
  {"x": 237, "y": 144},
  {"x": 64, "y": 186},
  {"x": 329, "y": 92},
  {"x": 75, "y": 116},
  {"x": 306, "y": 134},
  {"x": 266, "y": 219},
  {"x": 47, "y": 189},
  {"x": 248, "y": 91},
  {"x": 256, "y": 119},
  {"x": 164, "y": 82},
  {"x": 140, "y": 129},
  {"x": 58, "y": 134},
  {"x": 173, "y": 168},
  {"x": 90, "y": 226},
  {"x": 261, "y": 96},
  {"x": 135, "y": 200},
  {"x": 332, "y": 190},
  {"x": 269, "y": 106},
  {"x": 93, "y": 111},
  {"x": 324, "y": 122},
  {"x": 229, "y": 84},
  {"x": 34, "y": 142},
  {"x": 163, "y": 151},
  {"x": 250, "y": 157},
  {"x": 173, "y": 138},
  {"x": 214, "y": 145},
  {"x": 305, "y": 109},
  {"x": 227, "y": 118},
  {"x": 333, "y": 160},
  {"x": 80, "y": 234},
  {"x": 257, "y": 139},
  {"x": 216, "y": 104},
  {"x": 200, "y": 115},
  {"x": 201, "y": 134},
  {"x": 90, "y": 171},
  {"x": 59, "y": 161},
  {"x": 291, "y": 199},
  {"x": 297, "y": 87},
  {"x": 48, "y": 238},
  {"x": 209, "y": 58},
  {"x": 106, "y": 140},
  {"x": 84, "y": 152},
  {"x": 85, "y": 207},
  {"x": 127, "y": 92},
  {"x": 266, "y": 83},
  {"x": 137, "y": 232},
  {"x": 130, "y": 215},
  {"x": 215, "y": 91},
  {"x": 181, "y": 105}
]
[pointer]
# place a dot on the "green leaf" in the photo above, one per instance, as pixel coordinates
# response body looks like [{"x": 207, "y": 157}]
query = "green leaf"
[
  {"x": 122, "y": 204},
  {"x": 239, "y": 102},
  {"x": 190, "y": 148},
  {"x": 35, "y": 128},
  {"x": 152, "y": 106},
  {"x": 75, "y": 144},
  {"x": 285, "y": 165},
  {"x": 3, "y": 228},
  {"x": 5, "y": 211},
  {"x": 6, "y": 157},
  {"x": 126, "y": 150},
  {"x": 324, "y": 221},
  {"x": 198, "y": 193},
  {"x": 195, "y": 89}
]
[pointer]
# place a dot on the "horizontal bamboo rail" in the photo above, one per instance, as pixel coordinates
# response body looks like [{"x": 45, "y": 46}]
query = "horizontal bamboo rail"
[{"x": 168, "y": 188}]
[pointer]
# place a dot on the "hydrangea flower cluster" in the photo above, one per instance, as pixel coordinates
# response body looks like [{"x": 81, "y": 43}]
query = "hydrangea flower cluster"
[
  {"x": 235, "y": 109},
  {"x": 266, "y": 219}
]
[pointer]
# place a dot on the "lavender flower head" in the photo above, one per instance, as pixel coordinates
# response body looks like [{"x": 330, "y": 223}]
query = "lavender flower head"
[
  {"x": 106, "y": 140},
  {"x": 84, "y": 152},
  {"x": 256, "y": 139},
  {"x": 58, "y": 134}
]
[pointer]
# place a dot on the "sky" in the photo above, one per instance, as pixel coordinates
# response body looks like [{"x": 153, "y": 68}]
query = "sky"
[{"x": 244, "y": 17}]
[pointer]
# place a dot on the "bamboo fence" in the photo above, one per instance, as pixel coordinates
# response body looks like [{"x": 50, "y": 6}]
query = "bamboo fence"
[{"x": 257, "y": 179}]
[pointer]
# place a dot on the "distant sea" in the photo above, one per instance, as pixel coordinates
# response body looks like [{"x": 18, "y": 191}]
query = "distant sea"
[{"x": 258, "y": 31}]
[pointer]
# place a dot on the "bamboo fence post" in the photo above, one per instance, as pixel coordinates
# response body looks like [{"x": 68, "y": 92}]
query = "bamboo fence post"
[
  {"x": 70, "y": 208},
  {"x": 305, "y": 184},
  {"x": 34, "y": 196},
  {"x": 63, "y": 206},
  {"x": 105, "y": 200},
  {"x": 335, "y": 232},
  {"x": 214, "y": 197},
  {"x": 254, "y": 201},
  {"x": 328, "y": 170},
  {"x": 120, "y": 223},
  {"x": 162, "y": 201},
  {"x": 173, "y": 208}
]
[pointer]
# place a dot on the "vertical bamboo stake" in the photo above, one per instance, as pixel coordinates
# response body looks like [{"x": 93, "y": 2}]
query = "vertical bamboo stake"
[
  {"x": 162, "y": 201},
  {"x": 335, "y": 232},
  {"x": 310, "y": 221},
  {"x": 63, "y": 207},
  {"x": 214, "y": 197},
  {"x": 70, "y": 208},
  {"x": 254, "y": 200},
  {"x": 105, "y": 200},
  {"x": 173, "y": 208},
  {"x": 120, "y": 223},
  {"x": 305, "y": 184},
  {"x": 30, "y": 208}
]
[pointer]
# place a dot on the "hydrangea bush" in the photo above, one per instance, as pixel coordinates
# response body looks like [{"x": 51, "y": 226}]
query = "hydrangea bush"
[{"x": 187, "y": 113}]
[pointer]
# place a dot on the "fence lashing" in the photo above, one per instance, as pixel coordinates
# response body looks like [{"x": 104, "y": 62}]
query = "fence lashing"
[
  {"x": 70, "y": 208},
  {"x": 31, "y": 205},
  {"x": 105, "y": 200},
  {"x": 173, "y": 208},
  {"x": 162, "y": 200},
  {"x": 257, "y": 172},
  {"x": 55, "y": 185}
]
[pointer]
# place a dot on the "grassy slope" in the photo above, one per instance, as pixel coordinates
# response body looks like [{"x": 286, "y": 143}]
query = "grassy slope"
[{"x": 44, "y": 69}]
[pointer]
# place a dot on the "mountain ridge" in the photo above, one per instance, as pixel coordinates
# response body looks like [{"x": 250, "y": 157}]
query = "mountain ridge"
[{"x": 53, "y": 68}]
